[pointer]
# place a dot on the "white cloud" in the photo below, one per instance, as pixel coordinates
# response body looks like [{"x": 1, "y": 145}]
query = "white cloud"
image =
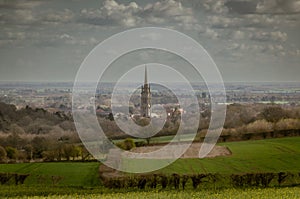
[
  {"x": 256, "y": 49},
  {"x": 113, "y": 13},
  {"x": 24, "y": 17},
  {"x": 59, "y": 16},
  {"x": 238, "y": 35},
  {"x": 16, "y": 35},
  {"x": 294, "y": 52},
  {"x": 211, "y": 33},
  {"x": 168, "y": 8},
  {"x": 218, "y": 21},
  {"x": 278, "y": 6},
  {"x": 156, "y": 20},
  {"x": 216, "y": 6},
  {"x": 276, "y": 36},
  {"x": 69, "y": 39},
  {"x": 250, "y": 20},
  {"x": 65, "y": 36},
  {"x": 219, "y": 7}
]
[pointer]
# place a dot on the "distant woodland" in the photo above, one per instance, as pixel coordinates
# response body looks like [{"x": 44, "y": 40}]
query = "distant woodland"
[
  {"x": 28, "y": 134},
  {"x": 35, "y": 134}
]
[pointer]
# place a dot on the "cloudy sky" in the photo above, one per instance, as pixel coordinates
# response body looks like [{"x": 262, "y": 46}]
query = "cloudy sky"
[{"x": 250, "y": 40}]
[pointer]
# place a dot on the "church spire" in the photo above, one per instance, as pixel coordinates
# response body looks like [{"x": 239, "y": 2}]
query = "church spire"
[
  {"x": 146, "y": 78},
  {"x": 145, "y": 97}
]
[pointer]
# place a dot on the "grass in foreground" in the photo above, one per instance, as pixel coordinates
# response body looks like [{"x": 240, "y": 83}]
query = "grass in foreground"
[{"x": 293, "y": 193}]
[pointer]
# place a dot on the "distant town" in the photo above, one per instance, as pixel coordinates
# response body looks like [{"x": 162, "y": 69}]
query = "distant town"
[{"x": 55, "y": 97}]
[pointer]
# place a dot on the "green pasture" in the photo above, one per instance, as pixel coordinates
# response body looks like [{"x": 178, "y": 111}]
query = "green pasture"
[
  {"x": 56, "y": 173},
  {"x": 81, "y": 179},
  {"x": 270, "y": 155}
]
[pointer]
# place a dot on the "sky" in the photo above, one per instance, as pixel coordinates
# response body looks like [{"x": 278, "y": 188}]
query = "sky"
[{"x": 249, "y": 40}]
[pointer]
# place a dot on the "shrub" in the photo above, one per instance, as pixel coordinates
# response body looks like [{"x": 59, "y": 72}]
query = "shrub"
[
  {"x": 273, "y": 113},
  {"x": 5, "y": 177},
  {"x": 127, "y": 144},
  {"x": 281, "y": 177},
  {"x": 287, "y": 124},
  {"x": 12, "y": 153},
  {"x": 197, "y": 179},
  {"x": 20, "y": 178},
  {"x": 184, "y": 180},
  {"x": 259, "y": 126},
  {"x": 140, "y": 143},
  {"x": 163, "y": 181},
  {"x": 176, "y": 180}
]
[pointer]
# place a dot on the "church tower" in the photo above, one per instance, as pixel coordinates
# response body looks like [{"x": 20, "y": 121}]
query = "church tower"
[{"x": 145, "y": 97}]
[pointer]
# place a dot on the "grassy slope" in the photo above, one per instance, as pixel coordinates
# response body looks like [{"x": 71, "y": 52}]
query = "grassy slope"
[
  {"x": 272, "y": 155},
  {"x": 74, "y": 174}
]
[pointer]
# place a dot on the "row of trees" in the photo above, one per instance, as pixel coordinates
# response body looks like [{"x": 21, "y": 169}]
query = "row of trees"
[
  {"x": 61, "y": 152},
  {"x": 39, "y": 121},
  {"x": 239, "y": 115},
  {"x": 18, "y": 178},
  {"x": 35, "y": 134},
  {"x": 243, "y": 122},
  {"x": 241, "y": 118},
  {"x": 178, "y": 181},
  {"x": 51, "y": 147}
]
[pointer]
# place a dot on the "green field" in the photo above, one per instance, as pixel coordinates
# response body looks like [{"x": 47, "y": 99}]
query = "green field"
[
  {"x": 75, "y": 174},
  {"x": 271, "y": 155}
]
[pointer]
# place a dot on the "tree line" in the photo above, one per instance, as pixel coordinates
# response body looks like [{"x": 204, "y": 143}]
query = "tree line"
[
  {"x": 29, "y": 134},
  {"x": 35, "y": 134},
  {"x": 212, "y": 180}
]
